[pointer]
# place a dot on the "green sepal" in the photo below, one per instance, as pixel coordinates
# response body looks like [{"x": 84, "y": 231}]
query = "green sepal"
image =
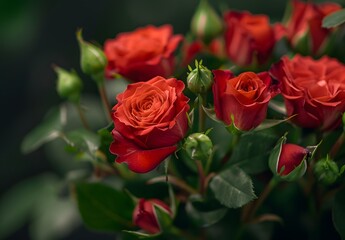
[{"x": 334, "y": 19}]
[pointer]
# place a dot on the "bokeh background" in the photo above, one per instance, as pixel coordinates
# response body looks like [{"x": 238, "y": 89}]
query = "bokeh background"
[{"x": 34, "y": 34}]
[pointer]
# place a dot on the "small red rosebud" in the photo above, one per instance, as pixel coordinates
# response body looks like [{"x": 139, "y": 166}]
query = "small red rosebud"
[
  {"x": 291, "y": 156},
  {"x": 145, "y": 216},
  {"x": 289, "y": 161}
]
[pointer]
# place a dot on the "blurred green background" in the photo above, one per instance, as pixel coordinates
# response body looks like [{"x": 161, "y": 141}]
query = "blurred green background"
[{"x": 34, "y": 34}]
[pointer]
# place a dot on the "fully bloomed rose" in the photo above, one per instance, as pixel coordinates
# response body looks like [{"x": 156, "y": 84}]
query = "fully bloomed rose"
[
  {"x": 249, "y": 39},
  {"x": 243, "y": 98},
  {"x": 145, "y": 216},
  {"x": 304, "y": 26},
  {"x": 312, "y": 89},
  {"x": 142, "y": 54},
  {"x": 150, "y": 118}
]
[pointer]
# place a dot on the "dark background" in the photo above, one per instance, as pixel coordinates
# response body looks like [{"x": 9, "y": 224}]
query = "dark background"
[{"x": 35, "y": 34}]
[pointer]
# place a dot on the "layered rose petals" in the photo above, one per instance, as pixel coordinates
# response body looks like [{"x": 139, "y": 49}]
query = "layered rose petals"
[
  {"x": 312, "y": 89},
  {"x": 242, "y": 99},
  {"x": 142, "y": 54},
  {"x": 149, "y": 118}
]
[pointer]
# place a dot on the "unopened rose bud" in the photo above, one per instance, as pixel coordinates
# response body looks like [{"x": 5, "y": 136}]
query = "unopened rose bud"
[
  {"x": 92, "y": 59},
  {"x": 69, "y": 84},
  {"x": 288, "y": 161},
  {"x": 326, "y": 171},
  {"x": 200, "y": 79},
  {"x": 198, "y": 146},
  {"x": 145, "y": 216},
  {"x": 206, "y": 24}
]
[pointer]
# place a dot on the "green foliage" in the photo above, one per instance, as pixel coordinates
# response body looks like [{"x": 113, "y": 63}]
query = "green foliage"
[
  {"x": 339, "y": 213},
  {"x": 36, "y": 200},
  {"x": 334, "y": 19},
  {"x": 252, "y": 151},
  {"x": 200, "y": 213},
  {"x": 104, "y": 208},
  {"x": 233, "y": 188},
  {"x": 48, "y": 130}
]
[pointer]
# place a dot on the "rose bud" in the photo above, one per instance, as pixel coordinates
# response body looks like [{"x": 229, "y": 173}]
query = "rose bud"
[
  {"x": 150, "y": 118},
  {"x": 198, "y": 146},
  {"x": 200, "y": 79},
  {"x": 313, "y": 90},
  {"x": 92, "y": 58},
  {"x": 288, "y": 161},
  {"x": 69, "y": 84},
  {"x": 249, "y": 39},
  {"x": 145, "y": 215},
  {"x": 142, "y": 54},
  {"x": 326, "y": 171},
  {"x": 206, "y": 24},
  {"x": 242, "y": 100},
  {"x": 303, "y": 23}
]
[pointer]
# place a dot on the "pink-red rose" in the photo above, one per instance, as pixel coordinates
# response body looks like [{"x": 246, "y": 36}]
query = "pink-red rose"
[
  {"x": 304, "y": 26},
  {"x": 242, "y": 99},
  {"x": 291, "y": 157},
  {"x": 249, "y": 39},
  {"x": 150, "y": 118},
  {"x": 145, "y": 216},
  {"x": 142, "y": 54},
  {"x": 312, "y": 89}
]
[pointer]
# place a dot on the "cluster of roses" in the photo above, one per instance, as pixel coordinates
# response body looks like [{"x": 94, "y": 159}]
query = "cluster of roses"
[{"x": 151, "y": 116}]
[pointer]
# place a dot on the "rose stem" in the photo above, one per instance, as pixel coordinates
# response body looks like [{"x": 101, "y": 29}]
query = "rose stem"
[
  {"x": 105, "y": 101},
  {"x": 249, "y": 213},
  {"x": 82, "y": 116},
  {"x": 337, "y": 146},
  {"x": 201, "y": 177},
  {"x": 103, "y": 94},
  {"x": 175, "y": 181},
  {"x": 201, "y": 114}
]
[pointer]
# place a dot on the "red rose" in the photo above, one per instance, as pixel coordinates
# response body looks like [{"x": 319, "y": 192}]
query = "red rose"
[
  {"x": 312, "y": 89},
  {"x": 142, "y": 54},
  {"x": 304, "y": 26},
  {"x": 149, "y": 118},
  {"x": 244, "y": 97},
  {"x": 249, "y": 39},
  {"x": 145, "y": 217},
  {"x": 291, "y": 157}
]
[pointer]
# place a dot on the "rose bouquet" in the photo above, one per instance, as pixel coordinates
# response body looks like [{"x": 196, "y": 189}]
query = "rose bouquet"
[{"x": 234, "y": 130}]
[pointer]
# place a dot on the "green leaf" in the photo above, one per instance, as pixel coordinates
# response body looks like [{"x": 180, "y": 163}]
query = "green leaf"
[
  {"x": 338, "y": 212},
  {"x": 54, "y": 217},
  {"x": 48, "y": 130},
  {"x": 201, "y": 217},
  {"x": 268, "y": 123},
  {"x": 19, "y": 203},
  {"x": 141, "y": 235},
  {"x": 334, "y": 19},
  {"x": 233, "y": 188},
  {"x": 104, "y": 208},
  {"x": 84, "y": 141},
  {"x": 252, "y": 152}
]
